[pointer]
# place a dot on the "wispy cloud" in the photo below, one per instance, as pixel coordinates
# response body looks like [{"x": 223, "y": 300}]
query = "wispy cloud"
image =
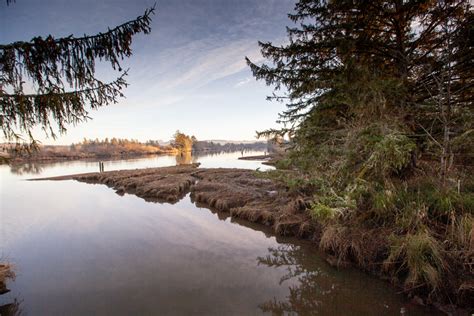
[
  {"x": 242, "y": 82},
  {"x": 213, "y": 64}
]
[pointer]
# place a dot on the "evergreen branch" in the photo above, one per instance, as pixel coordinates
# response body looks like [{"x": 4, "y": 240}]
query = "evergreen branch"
[
  {"x": 49, "y": 60},
  {"x": 70, "y": 39}
]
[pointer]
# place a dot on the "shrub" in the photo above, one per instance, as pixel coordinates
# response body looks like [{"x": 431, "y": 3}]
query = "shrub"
[{"x": 321, "y": 212}]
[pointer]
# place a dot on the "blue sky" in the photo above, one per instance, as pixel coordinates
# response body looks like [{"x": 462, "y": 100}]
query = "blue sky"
[{"x": 188, "y": 74}]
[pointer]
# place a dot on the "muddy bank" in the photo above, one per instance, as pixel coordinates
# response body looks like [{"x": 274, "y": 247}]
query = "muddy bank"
[
  {"x": 268, "y": 160},
  {"x": 167, "y": 184},
  {"x": 258, "y": 157}
]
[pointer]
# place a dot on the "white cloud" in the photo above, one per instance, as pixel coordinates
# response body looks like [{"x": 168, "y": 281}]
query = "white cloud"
[{"x": 242, "y": 82}]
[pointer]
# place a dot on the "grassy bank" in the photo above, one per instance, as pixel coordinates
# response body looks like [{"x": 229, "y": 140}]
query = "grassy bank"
[{"x": 383, "y": 207}]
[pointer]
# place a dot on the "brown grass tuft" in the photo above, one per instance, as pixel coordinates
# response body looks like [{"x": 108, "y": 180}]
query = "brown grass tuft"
[
  {"x": 361, "y": 246},
  {"x": 6, "y": 273}
]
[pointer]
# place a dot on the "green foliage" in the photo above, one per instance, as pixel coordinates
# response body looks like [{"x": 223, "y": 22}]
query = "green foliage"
[
  {"x": 295, "y": 182},
  {"x": 321, "y": 212},
  {"x": 391, "y": 154},
  {"x": 284, "y": 164}
]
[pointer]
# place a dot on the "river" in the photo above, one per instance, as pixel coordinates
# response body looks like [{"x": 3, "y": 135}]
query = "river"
[{"x": 81, "y": 249}]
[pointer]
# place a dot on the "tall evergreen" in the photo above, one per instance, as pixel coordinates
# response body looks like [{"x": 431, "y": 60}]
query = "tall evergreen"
[{"x": 350, "y": 58}]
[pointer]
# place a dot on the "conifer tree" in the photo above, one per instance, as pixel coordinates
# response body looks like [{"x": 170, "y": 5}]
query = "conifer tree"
[{"x": 353, "y": 59}]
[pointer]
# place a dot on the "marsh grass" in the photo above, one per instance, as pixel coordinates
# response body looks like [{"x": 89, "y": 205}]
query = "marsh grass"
[{"x": 417, "y": 258}]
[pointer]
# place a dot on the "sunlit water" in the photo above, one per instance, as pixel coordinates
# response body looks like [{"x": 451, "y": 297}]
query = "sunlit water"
[{"x": 81, "y": 249}]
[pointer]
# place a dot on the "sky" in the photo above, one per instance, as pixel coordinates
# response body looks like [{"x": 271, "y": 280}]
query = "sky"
[{"x": 188, "y": 74}]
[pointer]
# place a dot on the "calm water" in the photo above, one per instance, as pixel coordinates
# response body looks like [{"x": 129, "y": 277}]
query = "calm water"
[{"x": 80, "y": 249}]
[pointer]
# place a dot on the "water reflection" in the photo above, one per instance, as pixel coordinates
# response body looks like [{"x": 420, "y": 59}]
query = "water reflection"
[
  {"x": 207, "y": 159},
  {"x": 8, "y": 309},
  {"x": 12, "y": 309},
  {"x": 185, "y": 158},
  {"x": 26, "y": 168},
  {"x": 315, "y": 288},
  {"x": 307, "y": 296}
]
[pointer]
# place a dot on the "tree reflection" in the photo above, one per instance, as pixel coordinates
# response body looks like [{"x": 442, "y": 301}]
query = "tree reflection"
[
  {"x": 11, "y": 308},
  {"x": 26, "y": 168},
  {"x": 184, "y": 158},
  {"x": 313, "y": 285}
]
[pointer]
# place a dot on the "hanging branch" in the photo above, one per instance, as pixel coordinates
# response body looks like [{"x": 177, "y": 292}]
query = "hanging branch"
[
  {"x": 63, "y": 74},
  {"x": 25, "y": 111}
]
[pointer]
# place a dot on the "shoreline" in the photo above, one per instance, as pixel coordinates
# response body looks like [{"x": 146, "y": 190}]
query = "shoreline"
[
  {"x": 257, "y": 157},
  {"x": 50, "y": 159},
  {"x": 56, "y": 159}
]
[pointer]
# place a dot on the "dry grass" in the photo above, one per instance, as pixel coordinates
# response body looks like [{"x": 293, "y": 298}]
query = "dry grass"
[
  {"x": 169, "y": 184},
  {"x": 361, "y": 246},
  {"x": 6, "y": 273},
  {"x": 420, "y": 256}
]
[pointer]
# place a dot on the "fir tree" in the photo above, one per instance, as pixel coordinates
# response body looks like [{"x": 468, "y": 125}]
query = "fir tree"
[{"x": 351, "y": 59}]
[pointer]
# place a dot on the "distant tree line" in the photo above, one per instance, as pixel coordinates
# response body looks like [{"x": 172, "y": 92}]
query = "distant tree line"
[
  {"x": 116, "y": 146},
  {"x": 214, "y": 146}
]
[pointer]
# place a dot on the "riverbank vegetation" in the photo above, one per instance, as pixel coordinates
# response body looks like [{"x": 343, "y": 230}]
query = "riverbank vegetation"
[{"x": 380, "y": 116}]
